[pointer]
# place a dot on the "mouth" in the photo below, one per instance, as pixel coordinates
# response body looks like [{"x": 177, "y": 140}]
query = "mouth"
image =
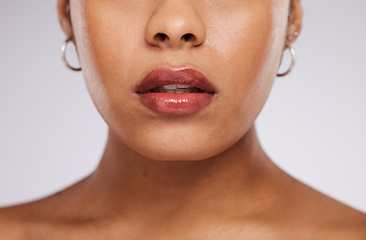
[
  {"x": 177, "y": 89},
  {"x": 175, "y": 92}
]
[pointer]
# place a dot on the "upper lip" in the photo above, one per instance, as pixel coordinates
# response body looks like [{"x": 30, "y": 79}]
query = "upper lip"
[{"x": 166, "y": 76}]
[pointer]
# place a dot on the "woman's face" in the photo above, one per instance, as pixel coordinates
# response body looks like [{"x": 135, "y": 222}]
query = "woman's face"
[{"x": 236, "y": 44}]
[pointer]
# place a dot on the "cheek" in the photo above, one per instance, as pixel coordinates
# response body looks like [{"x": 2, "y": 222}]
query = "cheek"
[
  {"x": 249, "y": 52},
  {"x": 108, "y": 51}
]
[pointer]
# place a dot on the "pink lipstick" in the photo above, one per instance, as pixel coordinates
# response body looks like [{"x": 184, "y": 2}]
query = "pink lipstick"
[{"x": 176, "y": 92}]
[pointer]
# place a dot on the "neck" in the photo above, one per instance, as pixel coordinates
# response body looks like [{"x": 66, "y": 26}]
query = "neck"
[{"x": 132, "y": 181}]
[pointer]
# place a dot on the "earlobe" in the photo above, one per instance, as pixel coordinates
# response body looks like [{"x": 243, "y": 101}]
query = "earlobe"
[{"x": 64, "y": 17}]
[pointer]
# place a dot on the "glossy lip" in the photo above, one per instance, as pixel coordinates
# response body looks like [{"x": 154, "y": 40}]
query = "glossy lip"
[
  {"x": 176, "y": 104},
  {"x": 166, "y": 76}
]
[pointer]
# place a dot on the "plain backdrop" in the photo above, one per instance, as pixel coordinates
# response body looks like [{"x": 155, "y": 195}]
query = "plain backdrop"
[{"x": 313, "y": 125}]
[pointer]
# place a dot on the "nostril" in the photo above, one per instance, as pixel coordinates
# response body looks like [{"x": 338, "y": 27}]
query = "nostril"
[
  {"x": 189, "y": 37},
  {"x": 161, "y": 37}
]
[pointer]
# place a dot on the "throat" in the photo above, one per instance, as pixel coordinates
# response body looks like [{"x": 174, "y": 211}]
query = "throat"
[{"x": 130, "y": 182}]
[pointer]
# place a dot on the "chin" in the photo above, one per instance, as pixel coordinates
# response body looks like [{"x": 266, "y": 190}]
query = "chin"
[
  {"x": 176, "y": 147},
  {"x": 177, "y": 154}
]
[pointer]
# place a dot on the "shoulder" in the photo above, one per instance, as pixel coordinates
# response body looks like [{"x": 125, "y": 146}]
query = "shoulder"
[
  {"x": 343, "y": 222},
  {"x": 31, "y": 219},
  {"x": 26, "y": 221},
  {"x": 305, "y": 213},
  {"x": 324, "y": 216},
  {"x": 13, "y": 221}
]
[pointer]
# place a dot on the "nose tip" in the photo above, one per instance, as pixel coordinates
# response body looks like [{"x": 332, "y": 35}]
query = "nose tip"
[{"x": 172, "y": 26}]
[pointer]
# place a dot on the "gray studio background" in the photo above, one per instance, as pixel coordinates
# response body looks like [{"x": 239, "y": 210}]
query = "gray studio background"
[{"x": 313, "y": 126}]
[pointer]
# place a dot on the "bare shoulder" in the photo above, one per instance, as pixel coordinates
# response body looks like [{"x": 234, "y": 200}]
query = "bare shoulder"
[
  {"x": 13, "y": 221},
  {"x": 17, "y": 222},
  {"x": 22, "y": 221},
  {"x": 322, "y": 215},
  {"x": 343, "y": 222}
]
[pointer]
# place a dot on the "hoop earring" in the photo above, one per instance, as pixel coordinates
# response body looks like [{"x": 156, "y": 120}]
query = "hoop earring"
[
  {"x": 63, "y": 56},
  {"x": 293, "y": 61}
]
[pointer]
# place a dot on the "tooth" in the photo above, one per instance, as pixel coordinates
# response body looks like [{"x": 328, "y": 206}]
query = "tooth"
[
  {"x": 169, "y": 87},
  {"x": 169, "y": 91},
  {"x": 183, "y": 86}
]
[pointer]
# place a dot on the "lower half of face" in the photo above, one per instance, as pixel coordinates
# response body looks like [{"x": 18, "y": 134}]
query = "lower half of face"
[{"x": 235, "y": 44}]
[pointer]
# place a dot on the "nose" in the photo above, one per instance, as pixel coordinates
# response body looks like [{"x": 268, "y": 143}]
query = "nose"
[{"x": 175, "y": 24}]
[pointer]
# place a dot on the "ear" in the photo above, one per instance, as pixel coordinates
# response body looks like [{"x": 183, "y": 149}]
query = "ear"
[
  {"x": 64, "y": 17},
  {"x": 295, "y": 22}
]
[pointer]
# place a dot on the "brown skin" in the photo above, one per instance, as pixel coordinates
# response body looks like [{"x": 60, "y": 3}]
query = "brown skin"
[{"x": 199, "y": 176}]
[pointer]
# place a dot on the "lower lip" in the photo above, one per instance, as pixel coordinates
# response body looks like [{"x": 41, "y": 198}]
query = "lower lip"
[{"x": 176, "y": 104}]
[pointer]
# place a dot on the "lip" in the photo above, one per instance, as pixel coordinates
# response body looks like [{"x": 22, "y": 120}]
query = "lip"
[{"x": 175, "y": 104}]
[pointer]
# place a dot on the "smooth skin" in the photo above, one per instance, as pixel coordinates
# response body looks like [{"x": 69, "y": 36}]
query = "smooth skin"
[{"x": 198, "y": 176}]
